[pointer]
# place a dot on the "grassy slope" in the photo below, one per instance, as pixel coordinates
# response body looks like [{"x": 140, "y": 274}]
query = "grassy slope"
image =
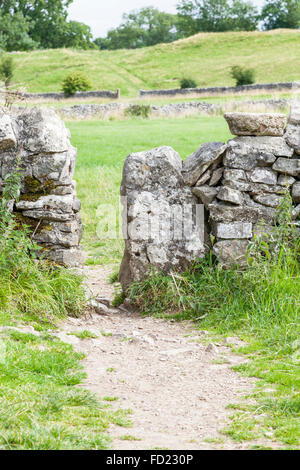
[{"x": 206, "y": 57}]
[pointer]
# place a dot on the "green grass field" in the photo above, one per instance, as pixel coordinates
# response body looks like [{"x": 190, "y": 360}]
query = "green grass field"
[{"x": 205, "y": 57}]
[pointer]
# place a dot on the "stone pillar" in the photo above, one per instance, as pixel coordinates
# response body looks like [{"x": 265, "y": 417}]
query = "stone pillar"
[{"x": 48, "y": 203}]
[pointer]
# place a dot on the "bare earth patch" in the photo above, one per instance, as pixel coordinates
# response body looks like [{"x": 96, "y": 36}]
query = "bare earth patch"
[{"x": 177, "y": 387}]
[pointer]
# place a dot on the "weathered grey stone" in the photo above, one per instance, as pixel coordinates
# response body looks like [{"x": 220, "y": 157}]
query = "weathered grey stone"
[
  {"x": 233, "y": 230},
  {"x": 262, "y": 231},
  {"x": 230, "y": 195},
  {"x": 70, "y": 257},
  {"x": 285, "y": 180},
  {"x": 237, "y": 185},
  {"x": 42, "y": 214},
  {"x": 162, "y": 229},
  {"x": 41, "y": 130},
  {"x": 296, "y": 192},
  {"x": 205, "y": 193},
  {"x": 263, "y": 175},
  {"x": 231, "y": 252},
  {"x": 270, "y": 145},
  {"x": 245, "y": 157},
  {"x": 143, "y": 170},
  {"x": 204, "y": 178},
  {"x": 292, "y": 137},
  {"x": 255, "y": 213},
  {"x": 270, "y": 200},
  {"x": 54, "y": 233},
  {"x": 259, "y": 188},
  {"x": 296, "y": 212},
  {"x": 254, "y": 124},
  {"x": 197, "y": 163},
  {"x": 216, "y": 176},
  {"x": 7, "y": 136},
  {"x": 236, "y": 175},
  {"x": 287, "y": 166},
  {"x": 52, "y": 202},
  {"x": 294, "y": 116}
]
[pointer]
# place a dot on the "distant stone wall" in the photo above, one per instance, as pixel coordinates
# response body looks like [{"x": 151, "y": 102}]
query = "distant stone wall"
[
  {"x": 48, "y": 203},
  {"x": 223, "y": 90},
  {"x": 238, "y": 184},
  {"x": 114, "y": 95}
]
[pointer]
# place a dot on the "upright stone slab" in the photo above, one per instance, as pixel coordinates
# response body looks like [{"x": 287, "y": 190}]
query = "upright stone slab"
[{"x": 160, "y": 226}]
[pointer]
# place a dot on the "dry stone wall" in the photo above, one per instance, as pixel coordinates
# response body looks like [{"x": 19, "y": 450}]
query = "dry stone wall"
[
  {"x": 48, "y": 203},
  {"x": 240, "y": 184}
]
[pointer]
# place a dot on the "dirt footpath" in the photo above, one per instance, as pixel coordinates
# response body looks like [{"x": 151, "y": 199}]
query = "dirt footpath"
[{"x": 176, "y": 386}]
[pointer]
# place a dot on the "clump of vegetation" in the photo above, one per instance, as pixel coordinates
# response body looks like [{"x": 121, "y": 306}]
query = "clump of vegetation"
[
  {"x": 7, "y": 67},
  {"x": 31, "y": 289},
  {"x": 85, "y": 334},
  {"x": 74, "y": 82},
  {"x": 138, "y": 110},
  {"x": 242, "y": 75},
  {"x": 261, "y": 304},
  {"x": 187, "y": 83}
]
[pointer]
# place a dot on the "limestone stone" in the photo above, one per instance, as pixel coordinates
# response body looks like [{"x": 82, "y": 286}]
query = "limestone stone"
[
  {"x": 230, "y": 195},
  {"x": 270, "y": 145},
  {"x": 42, "y": 130},
  {"x": 7, "y": 136},
  {"x": 231, "y": 252},
  {"x": 54, "y": 234},
  {"x": 204, "y": 178},
  {"x": 242, "y": 156},
  {"x": 270, "y": 200},
  {"x": 237, "y": 185},
  {"x": 216, "y": 176},
  {"x": 263, "y": 175},
  {"x": 164, "y": 219},
  {"x": 285, "y": 180},
  {"x": 236, "y": 175},
  {"x": 296, "y": 212},
  {"x": 233, "y": 230},
  {"x": 296, "y": 192},
  {"x": 70, "y": 257},
  {"x": 205, "y": 193},
  {"x": 294, "y": 117},
  {"x": 287, "y": 166},
  {"x": 292, "y": 137},
  {"x": 254, "y": 124},
  {"x": 53, "y": 202},
  {"x": 201, "y": 160},
  {"x": 255, "y": 213}
]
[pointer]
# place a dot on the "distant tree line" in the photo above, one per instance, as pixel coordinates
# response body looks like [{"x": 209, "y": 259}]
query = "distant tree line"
[
  {"x": 30, "y": 24},
  {"x": 149, "y": 26}
]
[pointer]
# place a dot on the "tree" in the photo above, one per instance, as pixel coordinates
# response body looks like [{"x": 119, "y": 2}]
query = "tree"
[
  {"x": 48, "y": 25},
  {"x": 14, "y": 33},
  {"x": 141, "y": 28},
  {"x": 281, "y": 14},
  {"x": 216, "y": 15}
]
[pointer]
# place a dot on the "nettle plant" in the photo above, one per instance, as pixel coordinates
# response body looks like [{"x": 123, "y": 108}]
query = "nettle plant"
[{"x": 15, "y": 244}]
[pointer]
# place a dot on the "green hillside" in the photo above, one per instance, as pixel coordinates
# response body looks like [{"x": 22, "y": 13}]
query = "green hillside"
[{"x": 206, "y": 57}]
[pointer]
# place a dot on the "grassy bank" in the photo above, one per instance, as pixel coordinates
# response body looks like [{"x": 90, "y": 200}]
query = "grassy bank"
[{"x": 205, "y": 57}]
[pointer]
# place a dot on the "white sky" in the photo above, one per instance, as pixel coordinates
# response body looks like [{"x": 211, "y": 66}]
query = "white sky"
[{"x": 102, "y": 15}]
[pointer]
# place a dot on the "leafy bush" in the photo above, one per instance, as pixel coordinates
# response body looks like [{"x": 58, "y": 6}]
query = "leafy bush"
[
  {"x": 187, "y": 83},
  {"x": 6, "y": 69},
  {"x": 138, "y": 110},
  {"x": 75, "y": 82},
  {"x": 242, "y": 76}
]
